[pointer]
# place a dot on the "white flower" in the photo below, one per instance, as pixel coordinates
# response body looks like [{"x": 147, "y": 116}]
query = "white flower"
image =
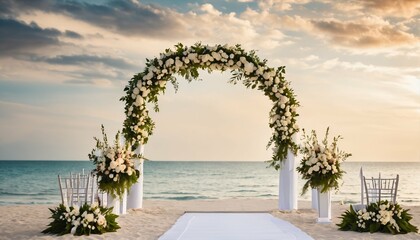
[
  {"x": 169, "y": 62},
  {"x": 89, "y": 217},
  {"x": 178, "y": 63},
  {"x": 111, "y": 175},
  {"x": 316, "y": 168},
  {"x": 249, "y": 67},
  {"x": 94, "y": 205},
  {"x": 113, "y": 164},
  {"x": 101, "y": 220},
  {"x": 75, "y": 211},
  {"x": 216, "y": 56},
  {"x": 99, "y": 153},
  {"x": 73, "y": 230}
]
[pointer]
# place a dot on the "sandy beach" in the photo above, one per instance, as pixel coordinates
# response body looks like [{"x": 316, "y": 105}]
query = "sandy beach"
[{"x": 157, "y": 216}]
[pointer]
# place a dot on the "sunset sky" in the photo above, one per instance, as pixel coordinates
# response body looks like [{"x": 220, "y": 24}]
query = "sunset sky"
[{"x": 354, "y": 65}]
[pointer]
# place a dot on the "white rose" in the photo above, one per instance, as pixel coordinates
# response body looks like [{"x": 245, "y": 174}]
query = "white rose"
[
  {"x": 120, "y": 161},
  {"x": 216, "y": 56},
  {"x": 316, "y": 168},
  {"x": 118, "y": 169},
  {"x": 89, "y": 217},
  {"x": 169, "y": 62},
  {"x": 122, "y": 168},
  {"x": 113, "y": 164},
  {"x": 249, "y": 67},
  {"x": 101, "y": 220},
  {"x": 178, "y": 63}
]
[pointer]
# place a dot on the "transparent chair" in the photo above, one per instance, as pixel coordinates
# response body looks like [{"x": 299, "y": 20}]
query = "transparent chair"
[
  {"x": 78, "y": 189},
  {"x": 379, "y": 189}
]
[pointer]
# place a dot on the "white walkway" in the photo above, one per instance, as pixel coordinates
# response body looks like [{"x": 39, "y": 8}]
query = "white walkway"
[{"x": 232, "y": 226}]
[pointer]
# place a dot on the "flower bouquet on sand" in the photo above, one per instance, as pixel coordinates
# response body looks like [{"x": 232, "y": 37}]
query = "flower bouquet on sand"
[
  {"x": 114, "y": 165},
  {"x": 320, "y": 165},
  {"x": 88, "y": 219},
  {"x": 378, "y": 217}
]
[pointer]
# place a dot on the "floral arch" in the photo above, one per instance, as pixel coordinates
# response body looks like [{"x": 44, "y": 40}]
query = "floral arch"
[{"x": 246, "y": 67}]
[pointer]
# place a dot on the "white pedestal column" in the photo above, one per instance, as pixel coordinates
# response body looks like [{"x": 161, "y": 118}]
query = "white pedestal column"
[
  {"x": 288, "y": 191},
  {"x": 135, "y": 197},
  {"x": 123, "y": 204},
  {"x": 115, "y": 203},
  {"x": 314, "y": 195},
  {"x": 324, "y": 207}
]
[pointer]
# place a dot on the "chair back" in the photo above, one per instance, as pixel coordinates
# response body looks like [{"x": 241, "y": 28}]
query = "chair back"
[
  {"x": 379, "y": 189},
  {"x": 78, "y": 189}
]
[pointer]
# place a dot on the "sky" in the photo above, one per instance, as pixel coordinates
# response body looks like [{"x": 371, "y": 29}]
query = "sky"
[{"x": 354, "y": 66}]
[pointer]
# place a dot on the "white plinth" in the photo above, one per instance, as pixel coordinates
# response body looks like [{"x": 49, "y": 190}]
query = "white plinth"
[
  {"x": 324, "y": 207},
  {"x": 135, "y": 196},
  {"x": 314, "y": 195},
  {"x": 115, "y": 203},
  {"x": 288, "y": 190},
  {"x": 123, "y": 204}
]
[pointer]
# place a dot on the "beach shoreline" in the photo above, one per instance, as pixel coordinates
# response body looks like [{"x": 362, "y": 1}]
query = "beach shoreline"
[{"x": 157, "y": 216}]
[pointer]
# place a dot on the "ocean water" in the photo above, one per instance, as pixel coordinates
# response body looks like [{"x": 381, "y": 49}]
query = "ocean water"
[{"x": 35, "y": 182}]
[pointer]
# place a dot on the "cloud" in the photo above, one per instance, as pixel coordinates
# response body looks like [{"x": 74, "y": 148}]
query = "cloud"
[
  {"x": 398, "y": 8},
  {"x": 87, "y": 60},
  {"x": 17, "y": 36},
  {"x": 130, "y": 18},
  {"x": 363, "y": 33},
  {"x": 72, "y": 34},
  {"x": 279, "y": 5}
]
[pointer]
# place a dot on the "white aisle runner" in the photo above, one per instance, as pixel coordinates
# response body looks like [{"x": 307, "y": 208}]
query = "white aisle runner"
[{"x": 232, "y": 226}]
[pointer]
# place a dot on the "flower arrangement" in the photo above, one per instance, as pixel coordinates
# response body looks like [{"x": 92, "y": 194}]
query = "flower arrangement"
[
  {"x": 378, "y": 217},
  {"x": 114, "y": 165},
  {"x": 84, "y": 220},
  {"x": 146, "y": 86},
  {"x": 320, "y": 165}
]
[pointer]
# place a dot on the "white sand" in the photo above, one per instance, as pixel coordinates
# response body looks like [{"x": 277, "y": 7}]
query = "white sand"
[{"x": 27, "y": 222}]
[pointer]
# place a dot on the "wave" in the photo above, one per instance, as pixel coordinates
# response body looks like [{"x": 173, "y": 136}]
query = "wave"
[
  {"x": 178, "y": 193},
  {"x": 267, "y": 195},
  {"x": 23, "y": 194},
  {"x": 244, "y": 190},
  {"x": 182, "y": 198}
]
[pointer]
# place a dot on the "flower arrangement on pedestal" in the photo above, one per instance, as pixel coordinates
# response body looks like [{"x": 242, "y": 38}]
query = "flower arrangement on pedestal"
[
  {"x": 378, "y": 217},
  {"x": 114, "y": 165},
  {"x": 88, "y": 219},
  {"x": 247, "y": 67},
  {"x": 320, "y": 165}
]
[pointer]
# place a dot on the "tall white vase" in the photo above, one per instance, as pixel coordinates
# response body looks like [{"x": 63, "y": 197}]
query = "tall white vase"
[
  {"x": 314, "y": 196},
  {"x": 123, "y": 203},
  {"x": 288, "y": 190},
  {"x": 324, "y": 207},
  {"x": 115, "y": 203},
  {"x": 135, "y": 196}
]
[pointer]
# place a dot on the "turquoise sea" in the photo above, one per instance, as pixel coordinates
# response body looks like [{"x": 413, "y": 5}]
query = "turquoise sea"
[{"x": 35, "y": 182}]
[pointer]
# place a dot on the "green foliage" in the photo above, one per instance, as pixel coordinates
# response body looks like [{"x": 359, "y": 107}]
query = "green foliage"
[
  {"x": 85, "y": 220},
  {"x": 246, "y": 67},
  {"x": 382, "y": 217},
  {"x": 321, "y": 163}
]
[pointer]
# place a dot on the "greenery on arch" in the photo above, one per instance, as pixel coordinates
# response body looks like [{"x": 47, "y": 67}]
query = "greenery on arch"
[{"x": 246, "y": 67}]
